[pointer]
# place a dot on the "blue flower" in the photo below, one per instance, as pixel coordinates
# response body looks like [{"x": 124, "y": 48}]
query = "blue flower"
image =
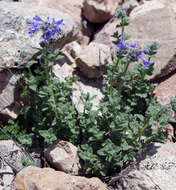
[
  {"x": 37, "y": 18},
  {"x": 48, "y": 34},
  {"x": 146, "y": 51},
  {"x": 57, "y": 27},
  {"x": 122, "y": 48},
  {"x": 116, "y": 15},
  {"x": 121, "y": 45},
  {"x": 51, "y": 28},
  {"x": 35, "y": 27},
  {"x": 134, "y": 45},
  {"x": 145, "y": 62},
  {"x": 120, "y": 14}
]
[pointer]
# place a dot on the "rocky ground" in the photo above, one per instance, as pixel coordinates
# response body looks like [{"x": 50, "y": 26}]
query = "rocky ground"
[{"x": 86, "y": 47}]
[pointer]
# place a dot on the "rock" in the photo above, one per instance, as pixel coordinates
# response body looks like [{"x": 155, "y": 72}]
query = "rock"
[
  {"x": 64, "y": 68},
  {"x": 93, "y": 59},
  {"x": 10, "y": 162},
  {"x": 92, "y": 87},
  {"x": 129, "y": 5},
  {"x": 8, "y": 94},
  {"x": 155, "y": 169},
  {"x": 11, "y": 153},
  {"x": 53, "y": 3},
  {"x": 14, "y": 38},
  {"x": 166, "y": 90},
  {"x": 73, "y": 49},
  {"x": 146, "y": 23},
  {"x": 170, "y": 131},
  {"x": 63, "y": 156},
  {"x": 99, "y": 11},
  {"x": 34, "y": 178}
]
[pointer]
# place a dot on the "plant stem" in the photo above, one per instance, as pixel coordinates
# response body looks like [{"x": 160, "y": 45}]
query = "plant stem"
[
  {"x": 51, "y": 90},
  {"x": 142, "y": 131}
]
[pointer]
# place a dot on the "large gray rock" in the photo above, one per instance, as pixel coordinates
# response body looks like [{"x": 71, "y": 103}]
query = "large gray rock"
[
  {"x": 14, "y": 38},
  {"x": 155, "y": 170},
  {"x": 151, "y": 21}
]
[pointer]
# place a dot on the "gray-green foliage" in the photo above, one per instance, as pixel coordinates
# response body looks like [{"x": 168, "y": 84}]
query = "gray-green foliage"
[{"x": 109, "y": 137}]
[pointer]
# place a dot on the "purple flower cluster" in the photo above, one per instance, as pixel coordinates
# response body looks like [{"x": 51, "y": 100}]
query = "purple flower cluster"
[
  {"x": 123, "y": 48},
  {"x": 51, "y": 27}
]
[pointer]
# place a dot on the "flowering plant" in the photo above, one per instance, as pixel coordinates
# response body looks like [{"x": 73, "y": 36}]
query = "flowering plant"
[
  {"x": 51, "y": 28},
  {"x": 107, "y": 138}
]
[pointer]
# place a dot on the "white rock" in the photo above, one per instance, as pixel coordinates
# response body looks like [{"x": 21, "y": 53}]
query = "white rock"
[{"x": 63, "y": 156}]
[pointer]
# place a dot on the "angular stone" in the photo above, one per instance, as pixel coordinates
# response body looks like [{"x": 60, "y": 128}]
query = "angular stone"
[
  {"x": 99, "y": 11},
  {"x": 15, "y": 41},
  {"x": 11, "y": 153},
  {"x": 93, "y": 59},
  {"x": 166, "y": 90},
  {"x": 63, "y": 156},
  {"x": 64, "y": 67},
  {"x": 33, "y": 178},
  {"x": 155, "y": 169},
  {"x": 92, "y": 87}
]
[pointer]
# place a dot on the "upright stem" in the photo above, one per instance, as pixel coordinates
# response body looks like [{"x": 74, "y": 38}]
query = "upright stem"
[
  {"x": 121, "y": 83},
  {"x": 143, "y": 129},
  {"x": 47, "y": 72}
]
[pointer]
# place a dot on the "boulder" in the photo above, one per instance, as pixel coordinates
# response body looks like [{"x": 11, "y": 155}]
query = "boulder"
[
  {"x": 64, "y": 67},
  {"x": 16, "y": 46},
  {"x": 63, "y": 156},
  {"x": 34, "y": 178},
  {"x": 154, "y": 169},
  {"x": 100, "y": 11},
  {"x": 152, "y": 21},
  {"x": 93, "y": 59},
  {"x": 73, "y": 49},
  {"x": 166, "y": 90}
]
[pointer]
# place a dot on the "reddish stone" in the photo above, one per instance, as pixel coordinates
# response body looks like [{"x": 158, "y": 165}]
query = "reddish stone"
[{"x": 166, "y": 89}]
